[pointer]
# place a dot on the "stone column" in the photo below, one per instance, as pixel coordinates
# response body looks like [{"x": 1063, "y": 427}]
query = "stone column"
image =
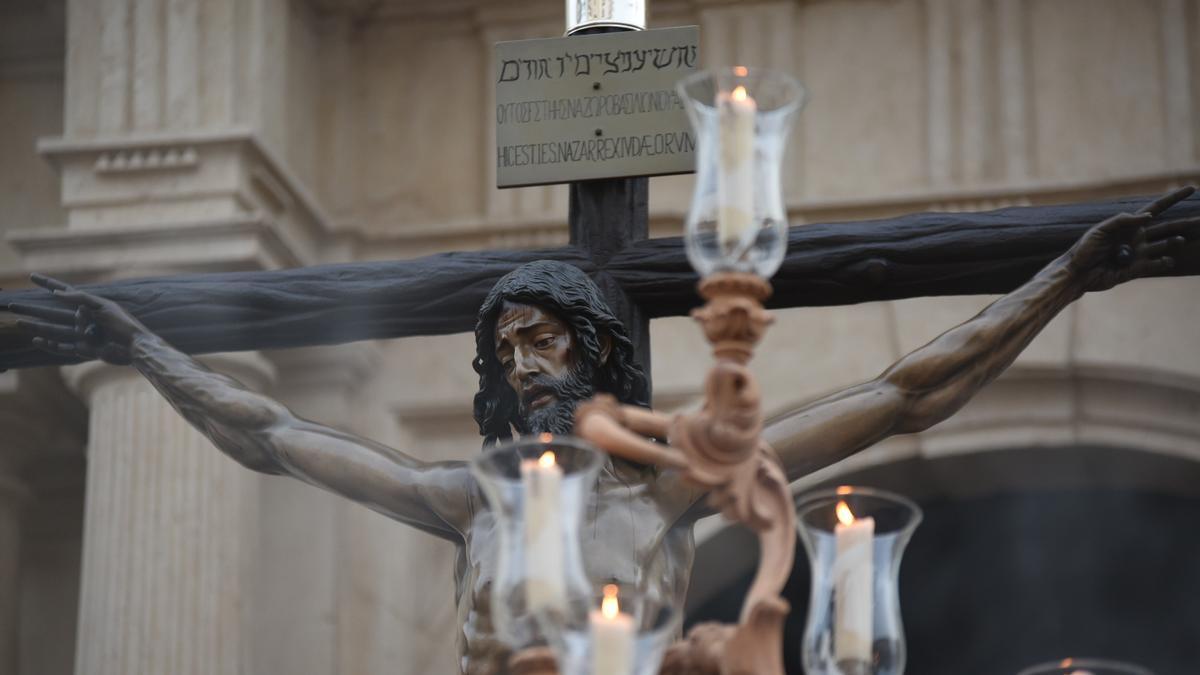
[
  {"x": 302, "y": 542},
  {"x": 169, "y": 525}
]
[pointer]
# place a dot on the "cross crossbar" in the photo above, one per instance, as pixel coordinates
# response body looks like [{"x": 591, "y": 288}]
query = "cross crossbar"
[{"x": 827, "y": 264}]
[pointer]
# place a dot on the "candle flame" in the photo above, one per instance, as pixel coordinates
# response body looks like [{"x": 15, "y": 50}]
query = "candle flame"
[
  {"x": 844, "y": 515},
  {"x": 739, "y": 93},
  {"x": 547, "y": 459},
  {"x": 740, "y": 71},
  {"x": 1066, "y": 663},
  {"x": 609, "y": 606}
]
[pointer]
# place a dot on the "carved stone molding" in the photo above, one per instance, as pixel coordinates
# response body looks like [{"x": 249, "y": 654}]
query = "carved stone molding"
[
  {"x": 165, "y": 158},
  {"x": 228, "y": 244},
  {"x": 160, "y": 181}
]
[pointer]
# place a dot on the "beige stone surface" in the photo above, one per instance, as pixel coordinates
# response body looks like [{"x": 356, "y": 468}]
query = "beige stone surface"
[
  {"x": 395, "y": 187},
  {"x": 814, "y": 351},
  {"x": 868, "y": 124},
  {"x": 1147, "y": 325},
  {"x": 1100, "y": 94}
]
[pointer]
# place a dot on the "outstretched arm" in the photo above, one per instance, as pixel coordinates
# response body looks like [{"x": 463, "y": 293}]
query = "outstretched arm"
[
  {"x": 933, "y": 382},
  {"x": 255, "y": 430}
]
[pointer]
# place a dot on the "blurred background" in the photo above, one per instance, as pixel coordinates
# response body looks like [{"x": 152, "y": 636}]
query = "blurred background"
[{"x": 147, "y": 137}]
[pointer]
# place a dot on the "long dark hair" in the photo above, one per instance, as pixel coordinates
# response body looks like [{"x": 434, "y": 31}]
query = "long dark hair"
[{"x": 567, "y": 292}]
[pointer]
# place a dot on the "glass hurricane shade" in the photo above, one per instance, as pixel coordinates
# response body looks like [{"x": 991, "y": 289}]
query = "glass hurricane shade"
[
  {"x": 855, "y": 538},
  {"x": 741, "y": 116},
  {"x": 537, "y": 488},
  {"x": 625, "y": 632}
]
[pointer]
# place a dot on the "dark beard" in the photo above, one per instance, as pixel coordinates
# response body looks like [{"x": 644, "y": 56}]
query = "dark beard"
[{"x": 569, "y": 391}]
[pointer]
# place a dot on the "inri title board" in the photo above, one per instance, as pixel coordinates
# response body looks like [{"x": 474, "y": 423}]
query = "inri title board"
[{"x": 593, "y": 106}]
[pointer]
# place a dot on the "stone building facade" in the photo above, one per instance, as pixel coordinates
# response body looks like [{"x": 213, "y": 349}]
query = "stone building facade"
[{"x": 142, "y": 137}]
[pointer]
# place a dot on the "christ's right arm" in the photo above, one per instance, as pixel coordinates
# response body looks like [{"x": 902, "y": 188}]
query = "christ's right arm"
[{"x": 255, "y": 430}]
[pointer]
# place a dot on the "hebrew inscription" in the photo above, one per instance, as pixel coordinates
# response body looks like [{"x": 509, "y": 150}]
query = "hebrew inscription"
[
  {"x": 583, "y": 64},
  {"x": 595, "y": 106}
]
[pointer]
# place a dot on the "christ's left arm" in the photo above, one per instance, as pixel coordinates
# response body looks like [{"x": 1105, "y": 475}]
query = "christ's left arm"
[{"x": 933, "y": 382}]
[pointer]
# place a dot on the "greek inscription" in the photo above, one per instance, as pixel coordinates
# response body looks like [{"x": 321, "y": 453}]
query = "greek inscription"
[{"x": 584, "y": 107}]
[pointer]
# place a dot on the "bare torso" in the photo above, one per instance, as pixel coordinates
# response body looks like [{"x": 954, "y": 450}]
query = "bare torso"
[{"x": 637, "y": 531}]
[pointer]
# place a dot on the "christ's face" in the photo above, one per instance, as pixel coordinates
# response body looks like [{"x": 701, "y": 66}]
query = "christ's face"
[{"x": 538, "y": 353}]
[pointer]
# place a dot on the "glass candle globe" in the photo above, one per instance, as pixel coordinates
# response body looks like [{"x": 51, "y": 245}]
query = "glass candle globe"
[
  {"x": 741, "y": 116},
  {"x": 538, "y": 488},
  {"x": 1086, "y": 667},
  {"x": 855, "y": 538},
  {"x": 624, "y": 632}
]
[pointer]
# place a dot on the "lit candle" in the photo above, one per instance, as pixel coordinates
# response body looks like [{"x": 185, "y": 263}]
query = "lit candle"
[
  {"x": 545, "y": 584},
  {"x": 1067, "y": 663},
  {"x": 612, "y": 637},
  {"x": 735, "y": 180},
  {"x": 852, "y": 575}
]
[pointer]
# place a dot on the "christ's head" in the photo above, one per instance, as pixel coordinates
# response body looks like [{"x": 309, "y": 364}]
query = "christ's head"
[{"x": 545, "y": 342}]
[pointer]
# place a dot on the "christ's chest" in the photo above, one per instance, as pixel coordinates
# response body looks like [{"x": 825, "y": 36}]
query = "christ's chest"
[{"x": 629, "y": 533}]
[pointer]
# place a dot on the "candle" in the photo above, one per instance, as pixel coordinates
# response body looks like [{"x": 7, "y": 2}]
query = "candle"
[
  {"x": 1067, "y": 663},
  {"x": 735, "y": 180},
  {"x": 545, "y": 579},
  {"x": 853, "y": 580},
  {"x": 612, "y": 637}
]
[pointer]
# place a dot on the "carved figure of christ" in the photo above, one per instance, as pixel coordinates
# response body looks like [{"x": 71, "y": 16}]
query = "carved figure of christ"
[{"x": 545, "y": 341}]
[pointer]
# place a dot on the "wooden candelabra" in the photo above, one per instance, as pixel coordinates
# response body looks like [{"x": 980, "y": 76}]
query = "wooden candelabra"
[{"x": 718, "y": 448}]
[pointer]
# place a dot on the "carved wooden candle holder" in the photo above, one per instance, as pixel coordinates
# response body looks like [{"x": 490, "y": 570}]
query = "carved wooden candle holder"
[{"x": 718, "y": 448}]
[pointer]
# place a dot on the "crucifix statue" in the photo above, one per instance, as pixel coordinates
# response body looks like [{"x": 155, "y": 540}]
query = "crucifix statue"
[
  {"x": 555, "y": 327},
  {"x": 546, "y": 340}
]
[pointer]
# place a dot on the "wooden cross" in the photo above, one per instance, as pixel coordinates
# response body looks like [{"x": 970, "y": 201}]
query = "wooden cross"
[{"x": 826, "y": 264}]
